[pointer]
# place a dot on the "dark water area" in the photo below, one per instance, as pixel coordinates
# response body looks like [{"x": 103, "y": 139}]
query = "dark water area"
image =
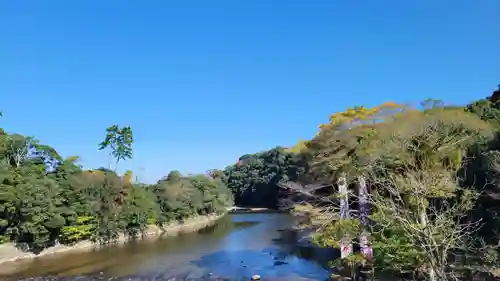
[{"x": 237, "y": 247}]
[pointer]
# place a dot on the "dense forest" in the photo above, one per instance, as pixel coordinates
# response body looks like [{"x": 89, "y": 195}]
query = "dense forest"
[
  {"x": 254, "y": 178},
  {"x": 429, "y": 176},
  {"x": 425, "y": 179},
  {"x": 45, "y": 199}
]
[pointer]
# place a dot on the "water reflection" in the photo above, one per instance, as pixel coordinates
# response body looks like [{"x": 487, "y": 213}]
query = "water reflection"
[
  {"x": 237, "y": 246},
  {"x": 268, "y": 262}
]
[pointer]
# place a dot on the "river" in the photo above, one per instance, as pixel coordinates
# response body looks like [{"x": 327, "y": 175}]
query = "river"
[{"x": 237, "y": 247}]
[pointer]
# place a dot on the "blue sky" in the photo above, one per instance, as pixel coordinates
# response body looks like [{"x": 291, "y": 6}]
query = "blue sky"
[{"x": 203, "y": 82}]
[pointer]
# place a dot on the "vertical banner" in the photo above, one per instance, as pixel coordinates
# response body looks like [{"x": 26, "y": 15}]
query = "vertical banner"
[
  {"x": 345, "y": 243},
  {"x": 364, "y": 212}
]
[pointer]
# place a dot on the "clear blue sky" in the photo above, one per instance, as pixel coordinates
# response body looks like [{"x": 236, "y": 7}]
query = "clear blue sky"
[{"x": 203, "y": 82}]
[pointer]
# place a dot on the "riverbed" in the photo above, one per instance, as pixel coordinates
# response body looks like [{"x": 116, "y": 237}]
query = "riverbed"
[{"x": 237, "y": 247}]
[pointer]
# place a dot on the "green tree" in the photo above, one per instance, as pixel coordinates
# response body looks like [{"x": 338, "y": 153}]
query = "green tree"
[
  {"x": 107, "y": 204},
  {"x": 179, "y": 197},
  {"x": 119, "y": 140},
  {"x": 30, "y": 202},
  {"x": 139, "y": 211},
  {"x": 254, "y": 179},
  {"x": 481, "y": 170},
  {"x": 45, "y": 199},
  {"x": 421, "y": 213},
  {"x": 431, "y": 208}
]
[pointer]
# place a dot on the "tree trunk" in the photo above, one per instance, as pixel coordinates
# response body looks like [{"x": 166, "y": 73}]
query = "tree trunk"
[
  {"x": 346, "y": 243},
  {"x": 423, "y": 221},
  {"x": 110, "y": 158},
  {"x": 364, "y": 210}
]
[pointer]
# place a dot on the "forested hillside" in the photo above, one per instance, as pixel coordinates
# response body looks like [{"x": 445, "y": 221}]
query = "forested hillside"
[
  {"x": 45, "y": 198},
  {"x": 425, "y": 183},
  {"x": 254, "y": 178},
  {"x": 432, "y": 176},
  {"x": 431, "y": 172}
]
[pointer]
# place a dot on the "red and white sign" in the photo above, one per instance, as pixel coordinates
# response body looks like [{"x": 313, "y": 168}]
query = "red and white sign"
[{"x": 345, "y": 250}]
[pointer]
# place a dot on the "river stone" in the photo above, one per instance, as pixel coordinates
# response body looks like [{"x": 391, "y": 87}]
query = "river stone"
[{"x": 255, "y": 277}]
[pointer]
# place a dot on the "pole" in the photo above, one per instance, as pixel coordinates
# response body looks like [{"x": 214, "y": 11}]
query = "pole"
[
  {"x": 345, "y": 243},
  {"x": 364, "y": 211}
]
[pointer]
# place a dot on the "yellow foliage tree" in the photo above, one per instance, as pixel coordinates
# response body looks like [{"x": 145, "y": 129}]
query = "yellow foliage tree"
[
  {"x": 127, "y": 177},
  {"x": 342, "y": 144},
  {"x": 298, "y": 148}
]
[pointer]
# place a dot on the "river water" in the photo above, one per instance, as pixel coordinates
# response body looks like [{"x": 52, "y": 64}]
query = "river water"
[{"x": 237, "y": 247}]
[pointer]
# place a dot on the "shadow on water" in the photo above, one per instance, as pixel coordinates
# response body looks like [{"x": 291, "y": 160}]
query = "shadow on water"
[
  {"x": 237, "y": 247},
  {"x": 268, "y": 262}
]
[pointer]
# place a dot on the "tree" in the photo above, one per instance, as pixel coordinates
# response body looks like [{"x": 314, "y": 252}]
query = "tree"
[
  {"x": 45, "y": 199},
  {"x": 139, "y": 211},
  {"x": 254, "y": 179},
  {"x": 339, "y": 153},
  {"x": 421, "y": 213},
  {"x": 119, "y": 140},
  {"x": 180, "y": 196},
  {"x": 481, "y": 170}
]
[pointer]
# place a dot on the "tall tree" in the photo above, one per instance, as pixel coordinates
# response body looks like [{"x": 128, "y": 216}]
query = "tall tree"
[
  {"x": 421, "y": 213},
  {"x": 119, "y": 140},
  {"x": 45, "y": 199},
  {"x": 339, "y": 153}
]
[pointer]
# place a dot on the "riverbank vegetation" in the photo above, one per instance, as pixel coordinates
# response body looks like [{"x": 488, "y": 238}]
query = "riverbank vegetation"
[
  {"x": 429, "y": 176},
  {"x": 47, "y": 199},
  {"x": 254, "y": 178},
  {"x": 432, "y": 176}
]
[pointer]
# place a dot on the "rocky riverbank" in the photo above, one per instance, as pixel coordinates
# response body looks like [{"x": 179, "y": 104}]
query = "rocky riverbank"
[{"x": 10, "y": 252}]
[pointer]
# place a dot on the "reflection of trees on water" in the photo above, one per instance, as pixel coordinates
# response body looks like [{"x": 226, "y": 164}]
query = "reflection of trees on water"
[
  {"x": 234, "y": 248},
  {"x": 267, "y": 262},
  {"x": 282, "y": 259},
  {"x": 224, "y": 226},
  {"x": 287, "y": 243}
]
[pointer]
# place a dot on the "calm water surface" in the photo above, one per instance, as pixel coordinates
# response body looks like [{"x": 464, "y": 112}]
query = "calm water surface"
[{"x": 238, "y": 246}]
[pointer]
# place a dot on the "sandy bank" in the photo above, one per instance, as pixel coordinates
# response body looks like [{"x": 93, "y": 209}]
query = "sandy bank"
[{"x": 9, "y": 252}]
